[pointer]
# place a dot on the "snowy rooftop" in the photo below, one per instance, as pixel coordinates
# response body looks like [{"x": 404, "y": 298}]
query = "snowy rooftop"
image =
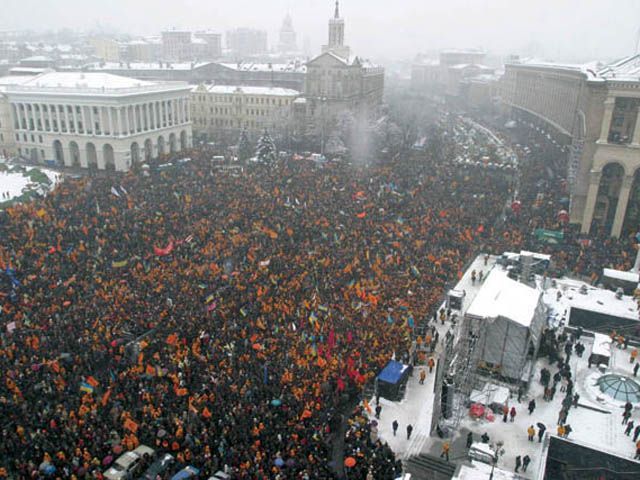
[
  {"x": 601, "y": 345},
  {"x": 91, "y": 83},
  {"x": 476, "y": 51},
  {"x": 267, "y": 67},
  {"x": 588, "y": 68},
  {"x": 627, "y": 69},
  {"x": 484, "y": 78},
  {"x": 84, "y": 80},
  {"x": 144, "y": 41},
  {"x": 501, "y": 296},
  {"x": 13, "y": 80},
  {"x": 28, "y": 70},
  {"x": 244, "y": 90},
  {"x": 37, "y": 58},
  {"x": 596, "y": 300},
  {"x": 462, "y": 66},
  {"x": 148, "y": 66}
]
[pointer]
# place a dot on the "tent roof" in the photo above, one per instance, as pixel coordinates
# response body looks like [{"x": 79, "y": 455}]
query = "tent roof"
[
  {"x": 621, "y": 275},
  {"x": 392, "y": 372},
  {"x": 501, "y": 296}
]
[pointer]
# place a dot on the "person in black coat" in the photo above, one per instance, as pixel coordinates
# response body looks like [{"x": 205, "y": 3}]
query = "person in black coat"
[
  {"x": 532, "y": 406},
  {"x": 541, "y": 429}
]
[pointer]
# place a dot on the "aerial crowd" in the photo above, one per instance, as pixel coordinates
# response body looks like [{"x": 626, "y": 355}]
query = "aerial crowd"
[{"x": 232, "y": 318}]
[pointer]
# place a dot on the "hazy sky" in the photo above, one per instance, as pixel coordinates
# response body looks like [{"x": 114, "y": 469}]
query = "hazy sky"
[{"x": 556, "y": 29}]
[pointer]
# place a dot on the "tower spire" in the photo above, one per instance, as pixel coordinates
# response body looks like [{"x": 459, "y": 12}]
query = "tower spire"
[{"x": 337, "y": 14}]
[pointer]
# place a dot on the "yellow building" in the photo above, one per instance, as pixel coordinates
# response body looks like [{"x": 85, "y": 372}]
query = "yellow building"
[
  {"x": 106, "y": 49},
  {"x": 223, "y": 111}
]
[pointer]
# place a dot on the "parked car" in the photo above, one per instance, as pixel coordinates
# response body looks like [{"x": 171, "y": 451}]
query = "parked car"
[
  {"x": 220, "y": 475},
  {"x": 160, "y": 466},
  {"x": 186, "y": 473},
  {"x": 128, "y": 464}
]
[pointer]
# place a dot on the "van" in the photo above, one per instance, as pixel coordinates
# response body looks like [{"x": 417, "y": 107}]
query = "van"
[{"x": 220, "y": 475}]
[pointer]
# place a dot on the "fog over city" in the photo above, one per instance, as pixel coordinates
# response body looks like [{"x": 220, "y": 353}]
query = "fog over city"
[{"x": 562, "y": 30}]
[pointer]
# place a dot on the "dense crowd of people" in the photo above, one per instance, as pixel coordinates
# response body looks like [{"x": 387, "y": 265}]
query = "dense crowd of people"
[{"x": 229, "y": 318}]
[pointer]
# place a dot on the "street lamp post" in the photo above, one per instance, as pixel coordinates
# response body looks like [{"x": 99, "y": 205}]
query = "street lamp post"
[{"x": 499, "y": 451}]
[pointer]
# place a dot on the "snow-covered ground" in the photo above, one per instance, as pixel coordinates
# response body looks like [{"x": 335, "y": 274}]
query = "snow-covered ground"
[
  {"x": 479, "y": 470},
  {"x": 597, "y": 421},
  {"x": 13, "y": 183},
  {"x": 16, "y": 183}
]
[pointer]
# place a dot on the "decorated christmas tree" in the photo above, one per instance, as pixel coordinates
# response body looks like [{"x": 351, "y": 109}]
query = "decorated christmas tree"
[{"x": 266, "y": 150}]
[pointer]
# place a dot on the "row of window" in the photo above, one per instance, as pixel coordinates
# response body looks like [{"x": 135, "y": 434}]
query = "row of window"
[
  {"x": 249, "y": 100},
  {"x": 29, "y": 117},
  {"x": 227, "y": 111},
  {"x": 72, "y": 127},
  {"x": 222, "y": 122},
  {"x": 27, "y": 152},
  {"x": 25, "y": 138}
]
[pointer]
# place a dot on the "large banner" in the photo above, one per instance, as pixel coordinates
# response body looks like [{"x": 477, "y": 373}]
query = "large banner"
[{"x": 549, "y": 236}]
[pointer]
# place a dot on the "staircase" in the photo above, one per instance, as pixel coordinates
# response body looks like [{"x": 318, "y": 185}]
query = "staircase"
[{"x": 428, "y": 467}]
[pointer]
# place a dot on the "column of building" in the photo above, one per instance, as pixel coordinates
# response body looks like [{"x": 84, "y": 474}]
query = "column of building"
[
  {"x": 592, "y": 195},
  {"x": 621, "y": 207},
  {"x": 635, "y": 141},
  {"x": 609, "y": 105},
  {"x": 43, "y": 124}
]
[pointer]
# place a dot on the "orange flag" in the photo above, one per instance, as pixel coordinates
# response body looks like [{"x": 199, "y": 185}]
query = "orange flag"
[
  {"x": 192, "y": 407},
  {"x": 206, "y": 413},
  {"x": 181, "y": 392},
  {"x": 131, "y": 425},
  {"x": 172, "y": 339},
  {"x": 55, "y": 366},
  {"x": 105, "y": 397},
  {"x": 92, "y": 381}
]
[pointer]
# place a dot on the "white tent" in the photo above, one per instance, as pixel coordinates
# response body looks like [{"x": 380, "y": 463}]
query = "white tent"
[{"x": 507, "y": 317}]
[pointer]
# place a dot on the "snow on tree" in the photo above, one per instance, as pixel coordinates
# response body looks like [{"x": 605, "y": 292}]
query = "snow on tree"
[
  {"x": 387, "y": 135},
  {"x": 244, "y": 147},
  {"x": 266, "y": 150}
]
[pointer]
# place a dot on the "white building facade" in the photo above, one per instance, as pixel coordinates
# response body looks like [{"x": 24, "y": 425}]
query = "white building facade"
[{"x": 96, "y": 120}]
